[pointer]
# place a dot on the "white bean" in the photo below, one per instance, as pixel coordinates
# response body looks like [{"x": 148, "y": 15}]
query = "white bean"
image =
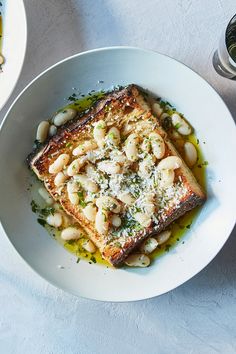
[
  {"x": 52, "y": 130},
  {"x": 145, "y": 166},
  {"x": 190, "y": 154},
  {"x": 180, "y": 124},
  {"x": 146, "y": 145},
  {"x": 149, "y": 245},
  {"x": 113, "y": 136},
  {"x": 71, "y": 233},
  {"x": 148, "y": 204},
  {"x": 170, "y": 163},
  {"x": 64, "y": 116},
  {"x": 101, "y": 222},
  {"x": 72, "y": 186},
  {"x": 163, "y": 237},
  {"x": 54, "y": 219},
  {"x": 86, "y": 183},
  {"x": 137, "y": 260},
  {"x": 72, "y": 189},
  {"x": 67, "y": 220},
  {"x": 45, "y": 195},
  {"x": 89, "y": 246},
  {"x": 109, "y": 167},
  {"x": 127, "y": 128},
  {"x": 108, "y": 203},
  {"x": 90, "y": 198},
  {"x": 75, "y": 166},
  {"x": 99, "y": 132},
  {"x": 59, "y": 163},
  {"x": 90, "y": 212},
  {"x": 57, "y": 206},
  {"x": 42, "y": 131},
  {"x": 158, "y": 145},
  {"x": 74, "y": 198},
  {"x": 85, "y": 147},
  {"x": 143, "y": 219},
  {"x": 116, "y": 220},
  {"x": 126, "y": 198},
  {"x": 131, "y": 147},
  {"x": 156, "y": 108},
  {"x": 166, "y": 178},
  {"x": 60, "y": 179}
]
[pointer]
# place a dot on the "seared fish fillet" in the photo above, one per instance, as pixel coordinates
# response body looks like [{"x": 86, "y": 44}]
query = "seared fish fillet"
[{"x": 115, "y": 171}]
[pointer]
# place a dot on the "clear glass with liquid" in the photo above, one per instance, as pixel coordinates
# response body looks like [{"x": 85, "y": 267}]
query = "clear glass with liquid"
[{"x": 224, "y": 59}]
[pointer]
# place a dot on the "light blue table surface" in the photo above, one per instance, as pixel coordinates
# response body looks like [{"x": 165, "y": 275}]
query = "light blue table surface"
[{"x": 198, "y": 317}]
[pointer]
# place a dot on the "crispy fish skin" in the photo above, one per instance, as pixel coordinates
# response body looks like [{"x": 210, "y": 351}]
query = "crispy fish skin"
[{"x": 121, "y": 103}]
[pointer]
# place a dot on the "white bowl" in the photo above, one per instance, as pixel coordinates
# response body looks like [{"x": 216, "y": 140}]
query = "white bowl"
[
  {"x": 13, "y": 46},
  {"x": 174, "y": 82}
]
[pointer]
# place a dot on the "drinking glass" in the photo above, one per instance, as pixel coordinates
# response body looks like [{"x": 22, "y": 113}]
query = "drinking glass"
[{"x": 224, "y": 58}]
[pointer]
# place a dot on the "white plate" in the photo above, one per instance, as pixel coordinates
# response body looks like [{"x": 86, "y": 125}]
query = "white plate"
[
  {"x": 13, "y": 46},
  {"x": 174, "y": 82}
]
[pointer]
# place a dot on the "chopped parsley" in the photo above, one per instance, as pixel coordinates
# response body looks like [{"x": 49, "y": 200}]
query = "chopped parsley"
[
  {"x": 34, "y": 206},
  {"x": 100, "y": 126},
  {"x": 104, "y": 217},
  {"x": 72, "y": 97},
  {"x": 70, "y": 242},
  {"x": 37, "y": 144},
  {"x": 42, "y": 212},
  {"x": 82, "y": 202},
  {"x": 204, "y": 163},
  {"x": 93, "y": 259},
  {"x": 166, "y": 123},
  {"x": 47, "y": 211},
  {"x": 177, "y": 125},
  {"x": 162, "y": 103},
  {"x": 42, "y": 222},
  {"x": 167, "y": 247},
  {"x": 111, "y": 135}
]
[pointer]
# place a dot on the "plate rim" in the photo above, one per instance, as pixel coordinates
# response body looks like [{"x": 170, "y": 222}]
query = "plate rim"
[{"x": 25, "y": 29}]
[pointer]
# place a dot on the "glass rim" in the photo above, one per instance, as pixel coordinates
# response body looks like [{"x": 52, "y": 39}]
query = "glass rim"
[{"x": 227, "y": 28}]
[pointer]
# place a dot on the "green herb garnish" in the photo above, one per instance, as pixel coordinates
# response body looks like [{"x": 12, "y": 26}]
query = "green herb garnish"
[
  {"x": 177, "y": 125},
  {"x": 105, "y": 217},
  {"x": 93, "y": 259},
  {"x": 42, "y": 222},
  {"x": 117, "y": 244},
  {"x": 82, "y": 202},
  {"x": 47, "y": 211},
  {"x": 37, "y": 144},
  {"x": 34, "y": 206},
  {"x": 72, "y": 97},
  {"x": 166, "y": 123},
  {"x": 167, "y": 248}
]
